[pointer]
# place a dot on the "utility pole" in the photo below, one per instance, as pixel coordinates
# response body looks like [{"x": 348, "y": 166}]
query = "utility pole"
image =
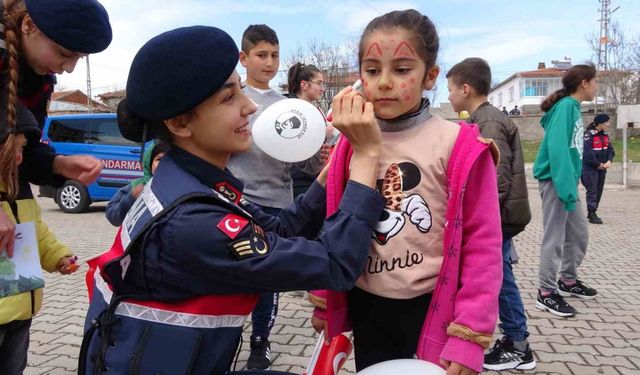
[
  {"x": 89, "y": 104},
  {"x": 603, "y": 46}
]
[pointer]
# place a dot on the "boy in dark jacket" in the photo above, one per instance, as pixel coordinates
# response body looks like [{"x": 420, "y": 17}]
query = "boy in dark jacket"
[{"x": 469, "y": 82}]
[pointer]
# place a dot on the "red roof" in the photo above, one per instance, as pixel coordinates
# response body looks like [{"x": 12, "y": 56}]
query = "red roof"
[
  {"x": 75, "y": 96},
  {"x": 546, "y": 72},
  {"x": 113, "y": 94}
]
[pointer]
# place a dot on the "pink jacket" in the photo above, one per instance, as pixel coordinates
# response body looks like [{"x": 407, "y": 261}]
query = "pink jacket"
[{"x": 461, "y": 319}]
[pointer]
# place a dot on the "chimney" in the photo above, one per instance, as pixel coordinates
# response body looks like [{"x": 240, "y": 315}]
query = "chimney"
[{"x": 541, "y": 65}]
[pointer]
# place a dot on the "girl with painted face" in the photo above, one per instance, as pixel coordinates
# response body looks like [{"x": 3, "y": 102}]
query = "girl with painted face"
[
  {"x": 430, "y": 286},
  {"x": 39, "y": 39},
  {"x": 192, "y": 255}
]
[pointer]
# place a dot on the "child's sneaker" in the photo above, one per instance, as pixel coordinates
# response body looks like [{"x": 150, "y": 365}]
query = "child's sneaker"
[
  {"x": 555, "y": 304},
  {"x": 260, "y": 356},
  {"x": 579, "y": 289},
  {"x": 504, "y": 356}
]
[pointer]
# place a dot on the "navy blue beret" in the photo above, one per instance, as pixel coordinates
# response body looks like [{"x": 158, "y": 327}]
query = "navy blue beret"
[
  {"x": 601, "y": 118},
  {"x": 179, "y": 69},
  {"x": 77, "y": 25}
]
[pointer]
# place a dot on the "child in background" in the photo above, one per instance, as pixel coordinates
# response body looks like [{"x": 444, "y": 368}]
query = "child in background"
[
  {"x": 430, "y": 286},
  {"x": 557, "y": 168},
  {"x": 305, "y": 82},
  {"x": 598, "y": 155},
  {"x": 469, "y": 83},
  {"x": 17, "y": 310},
  {"x": 120, "y": 203},
  {"x": 267, "y": 180}
]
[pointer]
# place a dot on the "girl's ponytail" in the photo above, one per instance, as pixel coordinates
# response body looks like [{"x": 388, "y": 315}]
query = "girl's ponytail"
[
  {"x": 550, "y": 100},
  {"x": 292, "y": 78},
  {"x": 14, "y": 12}
]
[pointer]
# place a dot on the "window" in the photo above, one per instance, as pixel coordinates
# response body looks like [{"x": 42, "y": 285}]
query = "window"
[
  {"x": 500, "y": 100},
  {"x": 102, "y": 131},
  {"x": 70, "y": 131},
  {"x": 491, "y": 100},
  {"x": 511, "y": 94},
  {"x": 539, "y": 86},
  {"x": 106, "y": 132}
]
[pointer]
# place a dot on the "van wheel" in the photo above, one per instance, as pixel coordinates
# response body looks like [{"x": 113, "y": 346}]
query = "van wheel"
[{"x": 73, "y": 197}]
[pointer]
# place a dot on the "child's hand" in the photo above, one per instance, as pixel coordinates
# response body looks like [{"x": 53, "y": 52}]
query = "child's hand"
[
  {"x": 320, "y": 325},
  {"x": 68, "y": 265},
  {"x": 454, "y": 368},
  {"x": 137, "y": 190},
  {"x": 7, "y": 234},
  {"x": 355, "y": 119},
  {"x": 325, "y": 152}
]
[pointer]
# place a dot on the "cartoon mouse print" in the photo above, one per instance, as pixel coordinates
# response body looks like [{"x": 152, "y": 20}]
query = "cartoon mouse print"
[{"x": 397, "y": 179}]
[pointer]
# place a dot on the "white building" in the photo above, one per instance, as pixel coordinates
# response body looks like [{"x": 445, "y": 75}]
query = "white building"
[{"x": 528, "y": 88}]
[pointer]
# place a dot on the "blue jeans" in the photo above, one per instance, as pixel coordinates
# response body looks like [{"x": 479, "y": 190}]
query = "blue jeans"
[
  {"x": 14, "y": 346},
  {"x": 264, "y": 314},
  {"x": 513, "y": 321}
]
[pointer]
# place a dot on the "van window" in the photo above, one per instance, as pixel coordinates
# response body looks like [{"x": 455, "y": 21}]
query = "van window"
[
  {"x": 106, "y": 132},
  {"x": 70, "y": 131},
  {"x": 103, "y": 131}
]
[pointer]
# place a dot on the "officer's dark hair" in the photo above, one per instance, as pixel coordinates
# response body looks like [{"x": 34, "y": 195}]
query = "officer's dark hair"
[
  {"x": 300, "y": 72},
  {"x": 474, "y": 72},
  {"x": 255, "y": 34},
  {"x": 570, "y": 82},
  {"x": 423, "y": 35}
]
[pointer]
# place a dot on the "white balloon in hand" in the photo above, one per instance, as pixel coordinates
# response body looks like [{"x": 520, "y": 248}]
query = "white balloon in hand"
[
  {"x": 403, "y": 367},
  {"x": 290, "y": 130}
]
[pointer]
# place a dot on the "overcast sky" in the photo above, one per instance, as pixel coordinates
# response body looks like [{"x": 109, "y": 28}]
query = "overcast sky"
[{"x": 512, "y": 35}]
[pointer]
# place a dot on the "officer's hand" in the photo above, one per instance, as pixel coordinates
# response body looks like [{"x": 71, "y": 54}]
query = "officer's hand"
[
  {"x": 454, "y": 368},
  {"x": 354, "y": 118},
  {"x": 607, "y": 164},
  {"x": 7, "y": 234},
  {"x": 83, "y": 168}
]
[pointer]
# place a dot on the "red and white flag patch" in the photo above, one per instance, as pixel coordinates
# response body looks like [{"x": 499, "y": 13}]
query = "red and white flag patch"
[{"x": 232, "y": 225}]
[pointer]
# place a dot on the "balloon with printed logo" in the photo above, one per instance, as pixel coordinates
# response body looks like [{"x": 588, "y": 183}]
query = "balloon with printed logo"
[{"x": 290, "y": 130}]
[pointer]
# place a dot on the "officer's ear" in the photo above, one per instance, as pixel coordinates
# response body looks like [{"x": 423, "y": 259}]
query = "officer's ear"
[{"x": 178, "y": 126}]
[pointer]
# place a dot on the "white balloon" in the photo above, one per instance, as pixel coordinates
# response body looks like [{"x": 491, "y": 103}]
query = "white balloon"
[
  {"x": 290, "y": 130},
  {"x": 403, "y": 367}
]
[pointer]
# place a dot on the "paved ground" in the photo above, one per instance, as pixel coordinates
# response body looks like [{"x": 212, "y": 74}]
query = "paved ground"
[{"x": 603, "y": 339}]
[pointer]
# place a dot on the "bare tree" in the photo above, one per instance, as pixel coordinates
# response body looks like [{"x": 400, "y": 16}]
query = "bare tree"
[{"x": 619, "y": 78}]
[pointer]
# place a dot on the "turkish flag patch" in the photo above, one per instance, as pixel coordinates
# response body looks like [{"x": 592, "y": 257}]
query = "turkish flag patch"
[{"x": 232, "y": 225}]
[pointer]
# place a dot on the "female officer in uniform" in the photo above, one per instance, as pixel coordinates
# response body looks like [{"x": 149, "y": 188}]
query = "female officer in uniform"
[
  {"x": 186, "y": 268},
  {"x": 597, "y": 157}
]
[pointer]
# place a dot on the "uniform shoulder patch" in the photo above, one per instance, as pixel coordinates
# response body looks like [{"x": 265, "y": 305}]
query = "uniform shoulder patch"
[
  {"x": 254, "y": 246},
  {"x": 232, "y": 225}
]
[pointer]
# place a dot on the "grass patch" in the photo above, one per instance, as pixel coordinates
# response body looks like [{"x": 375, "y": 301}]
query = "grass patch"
[{"x": 530, "y": 150}]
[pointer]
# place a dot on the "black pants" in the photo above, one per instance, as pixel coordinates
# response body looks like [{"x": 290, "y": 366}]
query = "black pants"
[
  {"x": 14, "y": 346},
  {"x": 593, "y": 181},
  {"x": 384, "y": 328}
]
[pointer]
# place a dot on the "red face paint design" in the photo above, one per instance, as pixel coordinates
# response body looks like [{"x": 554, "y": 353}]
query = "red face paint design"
[
  {"x": 404, "y": 50},
  {"x": 374, "y": 51}
]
